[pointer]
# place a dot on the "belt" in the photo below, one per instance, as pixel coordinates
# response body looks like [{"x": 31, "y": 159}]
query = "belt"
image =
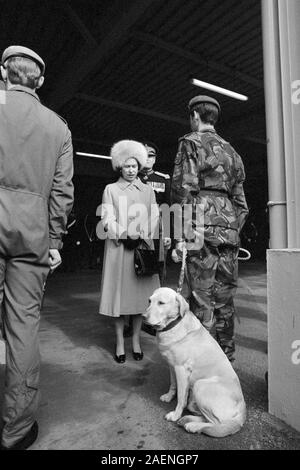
[{"x": 213, "y": 192}]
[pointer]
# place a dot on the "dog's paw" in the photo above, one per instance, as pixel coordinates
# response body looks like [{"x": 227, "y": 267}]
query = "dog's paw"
[
  {"x": 193, "y": 427},
  {"x": 184, "y": 420},
  {"x": 172, "y": 416},
  {"x": 167, "y": 397}
]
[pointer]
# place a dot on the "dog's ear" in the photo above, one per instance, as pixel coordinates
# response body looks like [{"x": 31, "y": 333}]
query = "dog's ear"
[{"x": 183, "y": 305}]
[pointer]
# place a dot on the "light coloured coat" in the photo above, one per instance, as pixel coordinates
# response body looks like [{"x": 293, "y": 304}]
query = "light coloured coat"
[{"x": 122, "y": 292}]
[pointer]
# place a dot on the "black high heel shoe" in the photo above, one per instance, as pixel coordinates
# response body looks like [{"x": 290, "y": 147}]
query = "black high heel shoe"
[
  {"x": 120, "y": 359},
  {"x": 137, "y": 356}
]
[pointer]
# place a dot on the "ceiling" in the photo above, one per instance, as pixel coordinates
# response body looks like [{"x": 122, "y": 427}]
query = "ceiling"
[{"x": 122, "y": 69}]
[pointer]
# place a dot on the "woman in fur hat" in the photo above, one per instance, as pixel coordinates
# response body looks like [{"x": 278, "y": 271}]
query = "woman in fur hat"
[{"x": 129, "y": 212}]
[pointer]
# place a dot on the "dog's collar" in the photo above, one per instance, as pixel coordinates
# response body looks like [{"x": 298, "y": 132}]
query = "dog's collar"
[{"x": 171, "y": 325}]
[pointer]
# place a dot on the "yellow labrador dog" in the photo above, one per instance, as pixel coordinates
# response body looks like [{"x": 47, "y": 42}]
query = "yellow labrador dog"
[{"x": 200, "y": 373}]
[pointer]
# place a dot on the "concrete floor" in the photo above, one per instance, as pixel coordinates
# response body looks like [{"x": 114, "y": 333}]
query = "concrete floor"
[{"x": 91, "y": 402}]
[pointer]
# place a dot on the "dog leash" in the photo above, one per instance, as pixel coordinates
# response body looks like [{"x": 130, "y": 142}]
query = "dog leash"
[
  {"x": 247, "y": 253},
  {"x": 182, "y": 270},
  {"x": 183, "y": 264}
]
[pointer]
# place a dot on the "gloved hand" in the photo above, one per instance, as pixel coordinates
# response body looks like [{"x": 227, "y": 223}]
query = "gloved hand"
[
  {"x": 167, "y": 243},
  {"x": 54, "y": 259},
  {"x": 177, "y": 253},
  {"x": 130, "y": 243}
]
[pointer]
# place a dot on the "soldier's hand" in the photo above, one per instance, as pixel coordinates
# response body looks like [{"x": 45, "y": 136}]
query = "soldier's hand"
[
  {"x": 177, "y": 253},
  {"x": 167, "y": 243},
  {"x": 54, "y": 259}
]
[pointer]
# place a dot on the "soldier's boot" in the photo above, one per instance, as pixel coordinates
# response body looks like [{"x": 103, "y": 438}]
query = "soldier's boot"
[{"x": 229, "y": 350}]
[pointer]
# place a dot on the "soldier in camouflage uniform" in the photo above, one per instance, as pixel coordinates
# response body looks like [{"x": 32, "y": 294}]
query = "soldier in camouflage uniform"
[{"x": 208, "y": 171}]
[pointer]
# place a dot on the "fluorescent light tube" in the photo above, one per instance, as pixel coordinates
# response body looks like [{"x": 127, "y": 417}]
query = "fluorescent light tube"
[
  {"x": 93, "y": 155},
  {"x": 217, "y": 89}
]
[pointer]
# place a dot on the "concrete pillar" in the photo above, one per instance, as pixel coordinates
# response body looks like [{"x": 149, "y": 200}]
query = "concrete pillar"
[
  {"x": 281, "y": 33},
  {"x": 289, "y": 33},
  {"x": 284, "y": 335},
  {"x": 2, "y": 351},
  {"x": 274, "y": 125}
]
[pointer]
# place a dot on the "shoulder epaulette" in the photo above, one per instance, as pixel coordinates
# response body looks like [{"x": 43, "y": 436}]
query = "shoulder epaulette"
[
  {"x": 183, "y": 137},
  {"x": 167, "y": 177}
]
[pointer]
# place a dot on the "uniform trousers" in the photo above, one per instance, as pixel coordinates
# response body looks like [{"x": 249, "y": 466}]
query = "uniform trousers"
[
  {"x": 212, "y": 275},
  {"x": 21, "y": 291}
]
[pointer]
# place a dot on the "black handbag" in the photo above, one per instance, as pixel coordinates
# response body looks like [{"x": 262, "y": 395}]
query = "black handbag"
[{"x": 145, "y": 260}]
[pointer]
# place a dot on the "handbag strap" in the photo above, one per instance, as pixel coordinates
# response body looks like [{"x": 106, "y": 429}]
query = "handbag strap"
[{"x": 144, "y": 244}]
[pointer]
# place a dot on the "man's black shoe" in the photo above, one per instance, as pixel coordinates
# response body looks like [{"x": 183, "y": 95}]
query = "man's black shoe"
[
  {"x": 148, "y": 329},
  {"x": 26, "y": 441}
]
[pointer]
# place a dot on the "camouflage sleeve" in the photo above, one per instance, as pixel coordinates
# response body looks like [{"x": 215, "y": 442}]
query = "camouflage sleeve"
[
  {"x": 185, "y": 174},
  {"x": 238, "y": 196}
]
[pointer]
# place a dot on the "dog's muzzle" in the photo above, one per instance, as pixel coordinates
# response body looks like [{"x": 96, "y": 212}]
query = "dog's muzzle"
[{"x": 146, "y": 317}]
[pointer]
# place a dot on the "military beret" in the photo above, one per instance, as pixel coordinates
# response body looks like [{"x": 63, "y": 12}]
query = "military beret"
[
  {"x": 20, "y": 51},
  {"x": 203, "y": 99}
]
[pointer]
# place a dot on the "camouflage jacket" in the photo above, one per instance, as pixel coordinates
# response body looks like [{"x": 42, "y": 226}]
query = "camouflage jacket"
[{"x": 205, "y": 161}]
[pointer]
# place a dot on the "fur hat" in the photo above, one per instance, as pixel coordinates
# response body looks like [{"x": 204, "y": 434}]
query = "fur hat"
[{"x": 124, "y": 149}]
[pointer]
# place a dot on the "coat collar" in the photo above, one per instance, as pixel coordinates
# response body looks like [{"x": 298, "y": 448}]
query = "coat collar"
[
  {"x": 25, "y": 90},
  {"x": 137, "y": 183}
]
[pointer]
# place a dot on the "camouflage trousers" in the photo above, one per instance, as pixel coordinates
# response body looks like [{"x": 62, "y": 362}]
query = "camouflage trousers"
[{"x": 212, "y": 275}]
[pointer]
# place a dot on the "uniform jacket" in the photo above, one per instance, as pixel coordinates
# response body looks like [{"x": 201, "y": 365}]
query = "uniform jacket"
[
  {"x": 205, "y": 161},
  {"x": 36, "y": 169},
  {"x": 160, "y": 184}
]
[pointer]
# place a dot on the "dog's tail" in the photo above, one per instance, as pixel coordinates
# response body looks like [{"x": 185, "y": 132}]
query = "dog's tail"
[
  {"x": 197, "y": 424},
  {"x": 227, "y": 427},
  {"x": 221, "y": 430}
]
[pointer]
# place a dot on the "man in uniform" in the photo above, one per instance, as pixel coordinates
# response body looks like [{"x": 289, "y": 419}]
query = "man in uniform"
[
  {"x": 208, "y": 172},
  {"x": 36, "y": 196},
  {"x": 160, "y": 183}
]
